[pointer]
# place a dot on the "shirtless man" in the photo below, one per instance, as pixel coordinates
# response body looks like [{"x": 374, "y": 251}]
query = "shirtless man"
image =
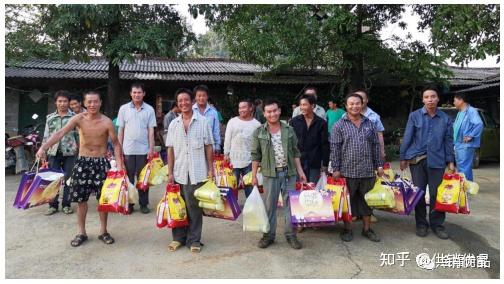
[{"x": 90, "y": 169}]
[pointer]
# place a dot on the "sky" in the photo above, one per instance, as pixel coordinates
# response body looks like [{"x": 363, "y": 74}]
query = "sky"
[{"x": 199, "y": 27}]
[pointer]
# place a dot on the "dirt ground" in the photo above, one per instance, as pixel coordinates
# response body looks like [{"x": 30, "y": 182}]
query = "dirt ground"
[{"x": 38, "y": 246}]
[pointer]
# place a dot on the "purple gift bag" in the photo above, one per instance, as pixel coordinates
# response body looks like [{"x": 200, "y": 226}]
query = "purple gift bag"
[
  {"x": 32, "y": 185},
  {"x": 311, "y": 208},
  {"x": 231, "y": 207}
]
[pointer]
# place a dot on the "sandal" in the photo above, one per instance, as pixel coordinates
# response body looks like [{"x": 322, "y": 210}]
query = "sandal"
[
  {"x": 67, "y": 210},
  {"x": 195, "y": 248},
  {"x": 174, "y": 245},
  {"x": 78, "y": 240},
  {"x": 106, "y": 238}
]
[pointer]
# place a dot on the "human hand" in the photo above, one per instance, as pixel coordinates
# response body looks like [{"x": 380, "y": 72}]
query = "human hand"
[{"x": 403, "y": 165}]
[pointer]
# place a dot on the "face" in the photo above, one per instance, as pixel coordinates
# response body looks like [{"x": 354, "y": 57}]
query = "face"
[
  {"x": 331, "y": 105},
  {"x": 244, "y": 109},
  {"x": 364, "y": 99},
  {"x": 62, "y": 104},
  {"x": 458, "y": 103},
  {"x": 430, "y": 99},
  {"x": 306, "y": 107},
  {"x": 184, "y": 102},
  {"x": 93, "y": 103},
  {"x": 137, "y": 95},
  {"x": 353, "y": 106},
  {"x": 201, "y": 98},
  {"x": 272, "y": 113},
  {"x": 75, "y": 105}
]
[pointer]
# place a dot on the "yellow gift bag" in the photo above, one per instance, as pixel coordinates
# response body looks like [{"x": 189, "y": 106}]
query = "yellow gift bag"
[
  {"x": 114, "y": 193},
  {"x": 448, "y": 194},
  {"x": 381, "y": 195}
]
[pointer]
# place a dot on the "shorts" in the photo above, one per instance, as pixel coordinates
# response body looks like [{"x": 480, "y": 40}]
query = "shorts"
[
  {"x": 88, "y": 176},
  {"x": 358, "y": 187}
]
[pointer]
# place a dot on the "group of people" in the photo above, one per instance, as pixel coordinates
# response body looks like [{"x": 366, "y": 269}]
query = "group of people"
[{"x": 344, "y": 144}]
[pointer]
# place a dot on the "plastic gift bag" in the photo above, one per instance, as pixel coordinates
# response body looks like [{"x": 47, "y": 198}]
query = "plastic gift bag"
[
  {"x": 388, "y": 173},
  {"x": 209, "y": 196},
  {"x": 224, "y": 176},
  {"x": 337, "y": 189},
  {"x": 448, "y": 194},
  {"x": 381, "y": 195},
  {"x": 152, "y": 173},
  {"x": 177, "y": 212},
  {"x": 464, "y": 203},
  {"x": 247, "y": 180},
  {"x": 231, "y": 209},
  {"x": 31, "y": 190},
  {"x": 132, "y": 192},
  {"x": 255, "y": 218},
  {"x": 114, "y": 193},
  {"x": 311, "y": 208},
  {"x": 321, "y": 183}
]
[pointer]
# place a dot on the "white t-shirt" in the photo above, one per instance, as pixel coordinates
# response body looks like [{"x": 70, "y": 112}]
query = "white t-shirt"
[{"x": 238, "y": 141}]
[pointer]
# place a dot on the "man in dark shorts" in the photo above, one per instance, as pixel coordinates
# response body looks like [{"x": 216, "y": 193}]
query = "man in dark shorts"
[
  {"x": 90, "y": 169},
  {"x": 355, "y": 155}
]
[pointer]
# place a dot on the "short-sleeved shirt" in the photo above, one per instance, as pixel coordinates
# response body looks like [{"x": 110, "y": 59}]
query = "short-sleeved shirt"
[
  {"x": 375, "y": 119},
  {"x": 189, "y": 148},
  {"x": 333, "y": 116},
  {"x": 136, "y": 124}
]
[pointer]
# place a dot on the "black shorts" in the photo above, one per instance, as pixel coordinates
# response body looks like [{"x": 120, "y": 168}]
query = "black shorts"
[
  {"x": 88, "y": 176},
  {"x": 358, "y": 187}
]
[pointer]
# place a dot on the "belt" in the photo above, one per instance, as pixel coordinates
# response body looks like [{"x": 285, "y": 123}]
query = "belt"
[{"x": 281, "y": 169}]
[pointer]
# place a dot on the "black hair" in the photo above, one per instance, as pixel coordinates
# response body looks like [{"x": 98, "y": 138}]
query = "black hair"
[
  {"x": 430, "y": 88},
  {"x": 75, "y": 97},
  {"x": 258, "y": 102},
  {"x": 62, "y": 93},
  {"x": 138, "y": 85},
  {"x": 184, "y": 90},
  {"x": 203, "y": 88},
  {"x": 311, "y": 100},
  {"x": 173, "y": 105},
  {"x": 461, "y": 96},
  {"x": 246, "y": 100},
  {"x": 92, "y": 93},
  {"x": 353, "y": 95},
  {"x": 271, "y": 101}
]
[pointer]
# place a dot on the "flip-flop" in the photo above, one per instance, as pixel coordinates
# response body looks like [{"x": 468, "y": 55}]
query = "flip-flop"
[
  {"x": 106, "y": 238},
  {"x": 174, "y": 245},
  {"x": 78, "y": 240}
]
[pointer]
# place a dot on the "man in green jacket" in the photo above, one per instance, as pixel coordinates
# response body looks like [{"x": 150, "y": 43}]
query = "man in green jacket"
[{"x": 274, "y": 148}]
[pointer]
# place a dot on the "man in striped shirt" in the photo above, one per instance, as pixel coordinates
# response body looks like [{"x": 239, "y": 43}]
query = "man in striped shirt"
[
  {"x": 190, "y": 153},
  {"x": 355, "y": 155}
]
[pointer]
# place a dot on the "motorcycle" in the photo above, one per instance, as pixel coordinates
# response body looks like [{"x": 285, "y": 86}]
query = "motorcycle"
[{"x": 20, "y": 150}]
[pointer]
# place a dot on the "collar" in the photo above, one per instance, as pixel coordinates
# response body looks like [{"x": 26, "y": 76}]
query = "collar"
[
  {"x": 132, "y": 105},
  {"x": 69, "y": 113},
  {"x": 424, "y": 111},
  {"x": 195, "y": 107}
]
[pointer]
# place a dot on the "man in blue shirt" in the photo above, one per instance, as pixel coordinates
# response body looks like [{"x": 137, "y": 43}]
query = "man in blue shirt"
[
  {"x": 467, "y": 131},
  {"x": 136, "y": 121},
  {"x": 201, "y": 93},
  {"x": 428, "y": 147}
]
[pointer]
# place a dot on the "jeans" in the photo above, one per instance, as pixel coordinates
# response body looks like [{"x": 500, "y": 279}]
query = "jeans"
[
  {"x": 243, "y": 171},
  {"x": 464, "y": 159},
  {"x": 65, "y": 163},
  {"x": 134, "y": 165},
  {"x": 422, "y": 176},
  {"x": 273, "y": 186}
]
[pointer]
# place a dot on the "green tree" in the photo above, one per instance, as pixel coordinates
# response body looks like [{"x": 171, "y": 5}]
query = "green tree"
[
  {"x": 209, "y": 45},
  {"x": 117, "y": 32}
]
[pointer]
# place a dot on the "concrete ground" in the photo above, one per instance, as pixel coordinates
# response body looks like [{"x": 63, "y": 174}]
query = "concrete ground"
[{"x": 38, "y": 246}]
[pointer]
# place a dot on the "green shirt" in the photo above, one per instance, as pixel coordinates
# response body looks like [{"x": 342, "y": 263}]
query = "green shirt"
[
  {"x": 263, "y": 152},
  {"x": 333, "y": 116}
]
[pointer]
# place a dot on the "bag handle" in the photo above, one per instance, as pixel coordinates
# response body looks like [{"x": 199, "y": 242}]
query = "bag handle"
[{"x": 35, "y": 166}]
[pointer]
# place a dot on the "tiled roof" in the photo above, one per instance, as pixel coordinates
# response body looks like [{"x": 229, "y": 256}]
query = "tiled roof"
[{"x": 479, "y": 88}]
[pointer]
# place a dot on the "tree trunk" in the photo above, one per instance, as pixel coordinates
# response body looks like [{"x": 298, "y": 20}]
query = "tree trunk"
[
  {"x": 113, "y": 91},
  {"x": 355, "y": 74}
]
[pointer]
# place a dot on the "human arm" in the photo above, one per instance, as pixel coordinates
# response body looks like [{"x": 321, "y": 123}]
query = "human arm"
[
  {"x": 151, "y": 143},
  {"x": 448, "y": 146},
  {"x": 227, "y": 139},
  {"x": 216, "y": 132},
  {"x": 325, "y": 146},
  {"x": 299, "y": 170},
  {"x": 171, "y": 161},
  {"x": 475, "y": 126},
  {"x": 209, "y": 159}
]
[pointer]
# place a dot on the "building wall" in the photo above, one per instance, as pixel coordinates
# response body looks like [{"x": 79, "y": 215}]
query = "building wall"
[{"x": 11, "y": 111}]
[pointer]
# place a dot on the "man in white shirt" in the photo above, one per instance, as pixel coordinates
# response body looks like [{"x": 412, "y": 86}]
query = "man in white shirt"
[
  {"x": 190, "y": 157},
  {"x": 238, "y": 140},
  {"x": 319, "y": 111}
]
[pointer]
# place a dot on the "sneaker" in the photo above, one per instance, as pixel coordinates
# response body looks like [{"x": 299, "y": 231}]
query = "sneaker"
[
  {"x": 441, "y": 233},
  {"x": 372, "y": 236},
  {"x": 294, "y": 243},
  {"x": 347, "y": 235},
  {"x": 422, "y": 232},
  {"x": 265, "y": 242},
  {"x": 67, "y": 210},
  {"x": 145, "y": 210},
  {"x": 50, "y": 211}
]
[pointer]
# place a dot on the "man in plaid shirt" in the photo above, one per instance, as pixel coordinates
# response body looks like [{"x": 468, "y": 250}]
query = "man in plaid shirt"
[{"x": 355, "y": 155}]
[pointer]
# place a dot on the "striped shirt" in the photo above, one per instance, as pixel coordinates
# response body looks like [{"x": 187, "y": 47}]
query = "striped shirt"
[
  {"x": 189, "y": 148},
  {"x": 136, "y": 124},
  {"x": 355, "y": 152}
]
